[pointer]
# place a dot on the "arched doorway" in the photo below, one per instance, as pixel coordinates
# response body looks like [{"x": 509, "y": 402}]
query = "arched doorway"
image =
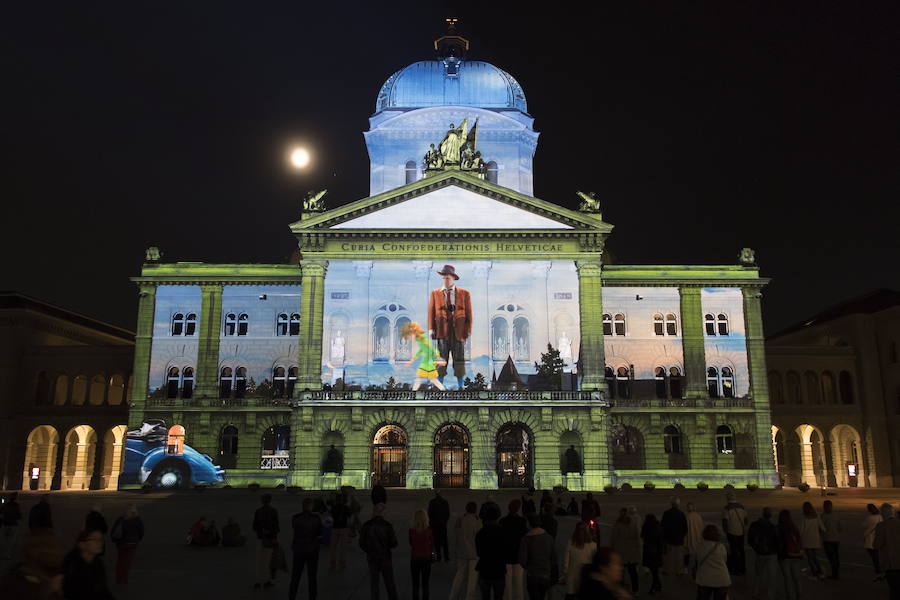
[
  {"x": 40, "y": 453},
  {"x": 78, "y": 458},
  {"x": 778, "y": 454},
  {"x": 113, "y": 443},
  {"x": 451, "y": 456},
  {"x": 813, "y": 464},
  {"x": 389, "y": 456},
  {"x": 848, "y": 464},
  {"x": 514, "y": 456}
]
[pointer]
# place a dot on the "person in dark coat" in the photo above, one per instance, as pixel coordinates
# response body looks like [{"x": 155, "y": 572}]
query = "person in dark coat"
[
  {"x": 490, "y": 544},
  {"x": 231, "y": 534},
  {"x": 10, "y": 515},
  {"x": 39, "y": 576},
  {"x": 307, "y": 527},
  {"x": 127, "y": 532},
  {"x": 674, "y": 530},
  {"x": 377, "y": 538},
  {"x": 84, "y": 576},
  {"x": 514, "y": 528},
  {"x": 379, "y": 494},
  {"x": 40, "y": 515},
  {"x": 528, "y": 506},
  {"x": 651, "y": 534},
  {"x": 438, "y": 515},
  {"x": 548, "y": 522},
  {"x": 265, "y": 524},
  {"x": 489, "y": 507},
  {"x": 602, "y": 578}
]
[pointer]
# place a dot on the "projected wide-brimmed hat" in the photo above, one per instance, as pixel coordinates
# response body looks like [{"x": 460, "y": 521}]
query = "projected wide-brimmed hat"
[{"x": 449, "y": 270}]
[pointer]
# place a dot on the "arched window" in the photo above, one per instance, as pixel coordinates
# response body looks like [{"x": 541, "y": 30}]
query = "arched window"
[
  {"x": 116, "y": 393},
  {"x": 813, "y": 390},
  {"x": 610, "y": 376},
  {"x": 42, "y": 389},
  {"x": 382, "y": 338},
  {"x": 673, "y": 443},
  {"x": 521, "y": 339},
  {"x": 278, "y": 382},
  {"x": 623, "y": 382},
  {"x": 228, "y": 447},
  {"x": 724, "y": 440},
  {"x": 675, "y": 382},
  {"x": 722, "y": 324},
  {"x": 829, "y": 393},
  {"x": 98, "y": 390},
  {"x": 658, "y": 324},
  {"x": 710, "y": 322},
  {"x": 61, "y": 390},
  {"x": 607, "y": 324},
  {"x": 187, "y": 382},
  {"x": 190, "y": 324},
  {"x": 178, "y": 324},
  {"x": 240, "y": 382},
  {"x": 230, "y": 324},
  {"x": 727, "y": 382},
  {"x": 172, "y": 381},
  {"x": 402, "y": 347},
  {"x": 281, "y": 324},
  {"x": 619, "y": 324},
  {"x": 845, "y": 383},
  {"x": 793, "y": 388},
  {"x": 776, "y": 387},
  {"x": 243, "y": 324},
  {"x": 291, "y": 381},
  {"x": 79, "y": 390},
  {"x": 295, "y": 324},
  {"x": 411, "y": 171},
  {"x": 492, "y": 172},
  {"x": 659, "y": 375},
  {"x": 627, "y": 447},
  {"x": 226, "y": 382},
  {"x": 671, "y": 324},
  {"x": 712, "y": 382}
]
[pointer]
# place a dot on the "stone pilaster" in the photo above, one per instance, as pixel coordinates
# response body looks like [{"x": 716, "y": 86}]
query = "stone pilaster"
[
  {"x": 312, "y": 305},
  {"x": 590, "y": 296},
  {"x": 207, "y": 374},
  {"x": 692, "y": 343},
  {"x": 597, "y": 462},
  {"x": 143, "y": 342}
]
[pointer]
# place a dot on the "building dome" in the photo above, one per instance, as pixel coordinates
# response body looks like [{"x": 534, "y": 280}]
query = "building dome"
[{"x": 442, "y": 83}]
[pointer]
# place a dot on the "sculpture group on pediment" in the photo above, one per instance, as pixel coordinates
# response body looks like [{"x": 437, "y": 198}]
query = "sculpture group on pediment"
[
  {"x": 314, "y": 201},
  {"x": 457, "y": 150},
  {"x": 589, "y": 203}
]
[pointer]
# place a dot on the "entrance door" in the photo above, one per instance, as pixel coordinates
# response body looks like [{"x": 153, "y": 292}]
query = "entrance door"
[
  {"x": 513, "y": 456},
  {"x": 389, "y": 457},
  {"x": 451, "y": 457}
]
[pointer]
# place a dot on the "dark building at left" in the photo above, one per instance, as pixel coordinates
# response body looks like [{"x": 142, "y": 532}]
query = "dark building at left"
[{"x": 65, "y": 383}]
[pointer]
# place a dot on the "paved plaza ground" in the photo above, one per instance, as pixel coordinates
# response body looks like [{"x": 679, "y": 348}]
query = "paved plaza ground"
[{"x": 165, "y": 567}]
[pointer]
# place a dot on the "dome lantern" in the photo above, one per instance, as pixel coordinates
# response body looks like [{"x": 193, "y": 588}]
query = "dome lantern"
[{"x": 451, "y": 48}]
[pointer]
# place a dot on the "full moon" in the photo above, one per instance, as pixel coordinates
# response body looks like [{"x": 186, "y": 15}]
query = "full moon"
[{"x": 300, "y": 157}]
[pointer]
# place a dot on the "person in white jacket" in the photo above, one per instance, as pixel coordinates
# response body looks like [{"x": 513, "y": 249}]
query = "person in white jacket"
[
  {"x": 711, "y": 567},
  {"x": 580, "y": 551},
  {"x": 873, "y": 518},
  {"x": 466, "y": 555},
  {"x": 811, "y": 537}
]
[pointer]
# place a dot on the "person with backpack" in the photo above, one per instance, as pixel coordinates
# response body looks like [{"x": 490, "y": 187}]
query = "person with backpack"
[
  {"x": 762, "y": 537},
  {"x": 377, "y": 539},
  {"x": 790, "y": 555},
  {"x": 710, "y": 566},
  {"x": 126, "y": 533},
  {"x": 10, "y": 515}
]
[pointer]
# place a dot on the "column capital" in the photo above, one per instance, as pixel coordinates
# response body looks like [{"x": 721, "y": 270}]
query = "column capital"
[
  {"x": 146, "y": 289},
  {"x": 211, "y": 287},
  {"x": 313, "y": 268},
  {"x": 592, "y": 267}
]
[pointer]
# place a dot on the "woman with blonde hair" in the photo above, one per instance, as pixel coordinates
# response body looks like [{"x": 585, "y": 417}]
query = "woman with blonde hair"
[
  {"x": 429, "y": 355},
  {"x": 421, "y": 544},
  {"x": 579, "y": 552}
]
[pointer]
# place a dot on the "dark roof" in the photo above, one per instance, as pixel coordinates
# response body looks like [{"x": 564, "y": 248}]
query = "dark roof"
[
  {"x": 868, "y": 303},
  {"x": 18, "y": 301},
  {"x": 509, "y": 374}
]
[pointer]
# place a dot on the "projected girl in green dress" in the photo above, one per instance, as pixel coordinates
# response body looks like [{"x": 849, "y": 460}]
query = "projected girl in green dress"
[{"x": 429, "y": 355}]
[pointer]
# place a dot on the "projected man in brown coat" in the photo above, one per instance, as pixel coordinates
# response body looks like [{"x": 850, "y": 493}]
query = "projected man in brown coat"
[{"x": 450, "y": 321}]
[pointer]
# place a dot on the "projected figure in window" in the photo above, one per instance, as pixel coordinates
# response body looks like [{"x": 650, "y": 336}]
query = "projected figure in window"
[{"x": 450, "y": 321}]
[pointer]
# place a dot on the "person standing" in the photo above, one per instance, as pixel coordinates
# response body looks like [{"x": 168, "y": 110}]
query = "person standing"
[
  {"x": 887, "y": 543},
  {"x": 439, "y": 515},
  {"x": 421, "y": 545},
  {"x": 548, "y": 521},
  {"x": 340, "y": 532},
  {"x": 762, "y": 537},
  {"x": 377, "y": 539},
  {"x": 674, "y": 530},
  {"x": 734, "y": 522},
  {"x": 514, "y": 529},
  {"x": 450, "y": 321},
  {"x": 467, "y": 527},
  {"x": 579, "y": 552},
  {"x": 127, "y": 532},
  {"x": 490, "y": 547},
  {"x": 307, "y": 526},
  {"x": 626, "y": 541},
  {"x": 873, "y": 518},
  {"x": 811, "y": 538},
  {"x": 651, "y": 534},
  {"x": 265, "y": 524},
  {"x": 710, "y": 566},
  {"x": 694, "y": 534},
  {"x": 831, "y": 537},
  {"x": 537, "y": 555},
  {"x": 40, "y": 516},
  {"x": 10, "y": 515},
  {"x": 379, "y": 494},
  {"x": 95, "y": 521},
  {"x": 790, "y": 553},
  {"x": 84, "y": 576}
]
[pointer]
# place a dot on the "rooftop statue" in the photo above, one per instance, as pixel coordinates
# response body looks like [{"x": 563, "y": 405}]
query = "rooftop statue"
[
  {"x": 453, "y": 142},
  {"x": 589, "y": 203},
  {"x": 152, "y": 254},
  {"x": 747, "y": 257},
  {"x": 457, "y": 150},
  {"x": 314, "y": 201}
]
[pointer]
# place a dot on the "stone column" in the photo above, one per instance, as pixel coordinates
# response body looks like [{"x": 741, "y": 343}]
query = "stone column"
[
  {"x": 306, "y": 464},
  {"x": 208, "y": 341},
  {"x": 420, "y": 452},
  {"x": 96, "y": 481},
  {"x": 692, "y": 343},
  {"x": 596, "y": 460},
  {"x": 590, "y": 297},
  {"x": 312, "y": 305},
  {"x": 759, "y": 384},
  {"x": 143, "y": 342}
]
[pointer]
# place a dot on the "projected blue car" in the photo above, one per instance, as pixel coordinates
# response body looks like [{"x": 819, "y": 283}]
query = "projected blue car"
[{"x": 159, "y": 457}]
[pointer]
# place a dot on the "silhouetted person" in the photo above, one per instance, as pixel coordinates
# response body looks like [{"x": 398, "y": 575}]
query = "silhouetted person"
[
  {"x": 421, "y": 545},
  {"x": 438, "y": 515},
  {"x": 340, "y": 531},
  {"x": 651, "y": 534},
  {"x": 84, "y": 575},
  {"x": 734, "y": 522},
  {"x": 490, "y": 544},
  {"x": 466, "y": 529},
  {"x": 231, "y": 534},
  {"x": 528, "y": 505},
  {"x": 537, "y": 555},
  {"x": 377, "y": 539},
  {"x": 10, "y": 515},
  {"x": 307, "y": 527},
  {"x": 265, "y": 524},
  {"x": 674, "y": 529},
  {"x": 127, "y": 532},
  {"x": 514, "y": 529},
  {"x": 40, "y": 516},
  {"x": 379, "y": 494},
  {"x": 762, "y": 536}
]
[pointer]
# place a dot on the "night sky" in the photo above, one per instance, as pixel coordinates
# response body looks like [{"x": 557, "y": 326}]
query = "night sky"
[{"x": 703, "y": 130}]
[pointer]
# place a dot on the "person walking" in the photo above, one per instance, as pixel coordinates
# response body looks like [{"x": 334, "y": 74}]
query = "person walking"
[
  {"x": 601, "y": 579},
  {"x": 762, "y": 537},
  {"x": 514, "y": 529},
  {"x": 651, "y": 534},
  {"x": 10, "y": 515},
  {"x": 711, "y": 567},
  {"x": 127, "y": 532},
  {"x": 84, "y": 575},
  {"x": 340, "y": 531},
  {"x": 873, "y": 518},
  {"x": 811, "y": 537},
  {"x": 265, "y": 524},
  {"x": 734, "y": 522},
  {"x": 887, "y": 543},
  {"x": 674, "y": 529},
  {"x": 467, "y": 527},
  {"x": 626, "y": 541},
  {"x": 790, "y": 554},
  {"x": 307, "y": 526},
  {"x": 40, "y": 516},
  {"x": 439, "y": 515},
  {"x": 490, "y": 546},
  {"x": 421, "y": 545},
  {"x": 831, "y": 537},
  {"x": 537, "y": 555},
  {"x": 579, "y": 552},
  {"x": 694, "y": 534},
  {"x": 377, "y": 539}
]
